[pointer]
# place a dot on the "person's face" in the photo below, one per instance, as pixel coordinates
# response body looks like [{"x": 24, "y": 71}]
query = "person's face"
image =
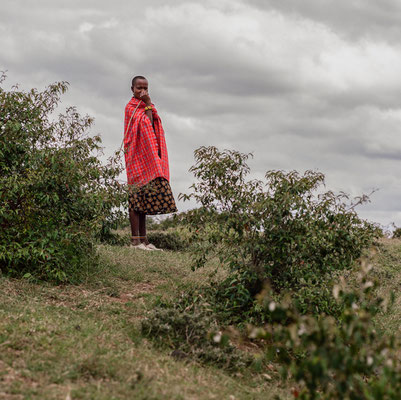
[{"x": 141, "y": 85}]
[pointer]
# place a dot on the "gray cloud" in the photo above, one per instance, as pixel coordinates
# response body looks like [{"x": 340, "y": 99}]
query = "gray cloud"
[
  {"x": 353, "y": 19},
  {"x": 304, "y": 85}
]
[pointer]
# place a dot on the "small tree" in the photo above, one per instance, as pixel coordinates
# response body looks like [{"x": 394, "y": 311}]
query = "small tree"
[
  {"x": 285, "y": 230},
  {"x": 55, "y": 193}
]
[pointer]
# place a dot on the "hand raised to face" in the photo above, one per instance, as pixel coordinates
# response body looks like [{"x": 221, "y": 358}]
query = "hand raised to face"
[{"x": 144, "y": 96}]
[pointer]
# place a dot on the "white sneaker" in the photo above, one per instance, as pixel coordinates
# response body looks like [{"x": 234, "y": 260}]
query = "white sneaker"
[
  {"x": 140, "y": 246},
  {"x": 151, "y": 246}
]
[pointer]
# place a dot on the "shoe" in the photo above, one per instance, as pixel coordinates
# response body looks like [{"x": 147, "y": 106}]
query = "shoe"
[
  {"x": 140, "y": 246},
  {"x": 151, "y": 246}
]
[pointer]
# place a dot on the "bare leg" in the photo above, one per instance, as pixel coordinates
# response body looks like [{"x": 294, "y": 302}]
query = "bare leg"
[
  {"x": 134, "y": 219},
  {"x": 142, "y": 228}
]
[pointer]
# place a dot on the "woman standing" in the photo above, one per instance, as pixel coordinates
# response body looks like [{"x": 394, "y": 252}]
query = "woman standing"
[{"x": 146, "y": 162}]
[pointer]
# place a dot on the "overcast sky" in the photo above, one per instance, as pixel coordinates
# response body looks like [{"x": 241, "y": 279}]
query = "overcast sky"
[{"x": 311, "y": 84}]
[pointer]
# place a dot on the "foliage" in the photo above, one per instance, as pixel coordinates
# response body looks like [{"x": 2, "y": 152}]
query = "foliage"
[
  {"x": 152, "y": 223},
  {"x": 55, "y": 193},
  {"x": 194, "y": 334},
  {"x": 286, "y": 230},
  {"x": 107, "y": 236},
  {"x": 335, "y": 359},
  {"x": 167, "y": 240},
  {"x": 397, "y": 233},
  {"x": 234, "y": 304},
  {"x": 173, "y": 221}
]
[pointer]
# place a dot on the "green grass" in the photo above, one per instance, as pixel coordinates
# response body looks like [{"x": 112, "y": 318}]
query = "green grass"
[
  {"x": 387, "y": 269},
  {"x": 84, "y": 342}
]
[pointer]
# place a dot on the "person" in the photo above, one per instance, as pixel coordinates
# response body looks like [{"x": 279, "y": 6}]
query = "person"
[{"x": 146, "y": 163}]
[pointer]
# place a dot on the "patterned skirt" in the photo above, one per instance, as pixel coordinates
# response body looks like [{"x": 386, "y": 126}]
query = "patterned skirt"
[{"x": 154, "y": 198}]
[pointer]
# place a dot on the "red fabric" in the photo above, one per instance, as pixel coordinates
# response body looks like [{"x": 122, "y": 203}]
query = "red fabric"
[{"x": 141, "y": 145}]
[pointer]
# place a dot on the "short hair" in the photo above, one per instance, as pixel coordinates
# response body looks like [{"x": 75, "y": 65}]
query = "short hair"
[{"x": 135, "y": 79}]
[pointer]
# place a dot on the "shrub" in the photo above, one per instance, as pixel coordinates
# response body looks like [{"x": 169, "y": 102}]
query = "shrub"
[
  {"x": 107, "y": 236},
  {"x": 286, "y": 230},
  {"x": 167, "y": 240},
  {"x": 171, "y": 221},
  {"x": 55, "y": 193},
  {"x": 234, "y": 304},
  {"x": 158, "y": 223},
  {"x": 334, "y": 359}
]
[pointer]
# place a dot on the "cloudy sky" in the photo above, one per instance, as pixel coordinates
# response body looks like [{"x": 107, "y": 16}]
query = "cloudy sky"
[{"x": 311, "y": 84}]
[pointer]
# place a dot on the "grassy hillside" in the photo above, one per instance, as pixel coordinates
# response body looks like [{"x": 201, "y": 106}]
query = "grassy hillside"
[{"x": 84, "y": 342}]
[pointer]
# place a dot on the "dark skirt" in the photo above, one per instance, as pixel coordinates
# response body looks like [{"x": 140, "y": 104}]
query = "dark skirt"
[{"x": 154, "y": 198}]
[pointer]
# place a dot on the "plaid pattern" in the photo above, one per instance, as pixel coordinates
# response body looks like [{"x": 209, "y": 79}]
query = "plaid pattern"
[{"x": 142, "y": 144}]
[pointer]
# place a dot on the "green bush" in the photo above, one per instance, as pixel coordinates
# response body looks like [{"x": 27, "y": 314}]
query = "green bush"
[
  {"x": 286, "y": 230},
  {"x": 343, "y": 358},
  {"x": 170, "y": 222},
  {"x": 107, "y": 236},
  {"x": 234, "y": 304},
  {"x": 167, "y": 240},
  {"x": 55, "y": 193}
]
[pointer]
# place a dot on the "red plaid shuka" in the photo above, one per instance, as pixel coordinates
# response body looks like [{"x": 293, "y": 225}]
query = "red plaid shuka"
[{"x": 141, "y": 145}]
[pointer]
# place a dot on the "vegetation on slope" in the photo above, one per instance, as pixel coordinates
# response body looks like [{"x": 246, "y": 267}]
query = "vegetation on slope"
[
  {"x": 280, "y": 289},
  {"x": 85, "y": 341}
]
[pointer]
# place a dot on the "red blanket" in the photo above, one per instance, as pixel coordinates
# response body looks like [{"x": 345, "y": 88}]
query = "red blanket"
[{"x": 142, "y": 144}]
